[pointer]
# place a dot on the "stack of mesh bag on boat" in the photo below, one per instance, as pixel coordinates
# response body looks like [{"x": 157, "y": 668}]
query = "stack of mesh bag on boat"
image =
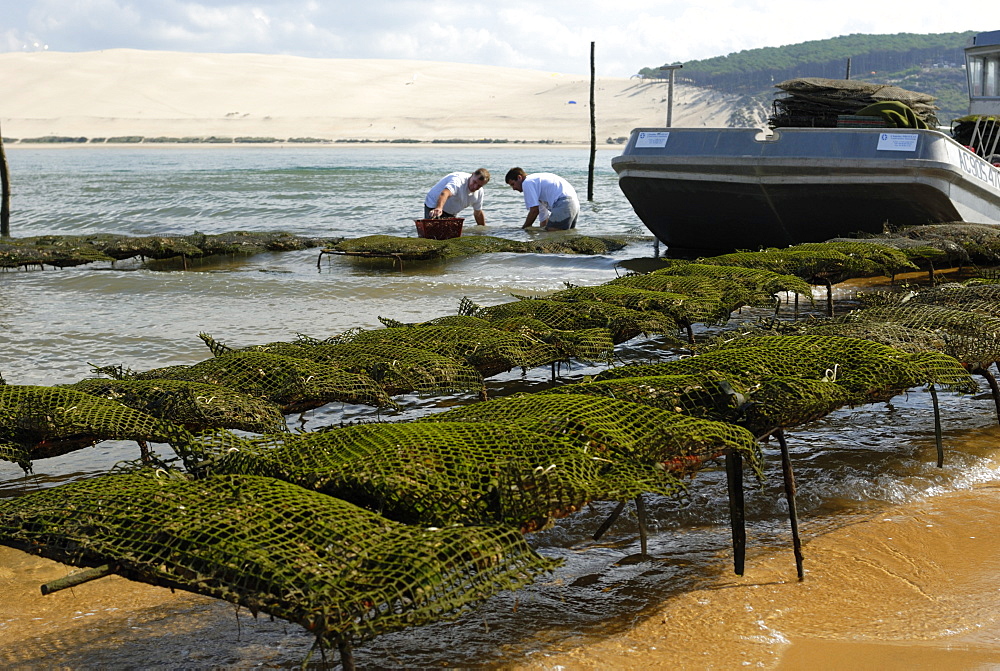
[
  {"x": 343, "y": 573},
  {"x": 817, "y": 102}
]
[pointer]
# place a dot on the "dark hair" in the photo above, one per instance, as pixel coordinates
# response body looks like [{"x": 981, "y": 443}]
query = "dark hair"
[{"x": 513, "y": 174}]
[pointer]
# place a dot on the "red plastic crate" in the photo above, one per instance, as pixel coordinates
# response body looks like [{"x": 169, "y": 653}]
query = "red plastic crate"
[{"x": 442, "y": 228}]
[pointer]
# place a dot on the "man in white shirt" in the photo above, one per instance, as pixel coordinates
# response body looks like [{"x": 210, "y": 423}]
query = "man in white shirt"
[
  {"x": 455, "y": 192},
  {"x": 547, "y": 195}
]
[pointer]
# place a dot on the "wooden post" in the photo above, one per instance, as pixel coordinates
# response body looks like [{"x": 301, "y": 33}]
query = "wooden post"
[
  {"x": 737, "y": 509},
  {"x": 848, "y": 75},
  {"x": 5, "y": 195},
  {"x": 793, "y": 516},
  {"x": 593, "y": 130},
  {"x": 670, "y": 91},
  {"x": 78, "y": 578}
]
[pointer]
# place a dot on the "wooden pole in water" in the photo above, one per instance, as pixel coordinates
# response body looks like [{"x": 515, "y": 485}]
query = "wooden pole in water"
[
  {"x": 938, "y": 441},
  {"x": 994, "y": 388},
  {"x": 670, "y": 90},
  {"x": 737, "y": 509},
  {"x": 5, "y": 195},
  {"x": 593, "y": 130},
  {"x": 640, "y": 511},
  {"x": 793, "y": 517},
  {"x": 601, "y": 530},
  {"x": 78, "y": 578}
]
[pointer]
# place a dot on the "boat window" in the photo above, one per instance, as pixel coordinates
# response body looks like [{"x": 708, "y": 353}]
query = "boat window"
[
  {"x": 975, "y": 76},
  {"x": 984, "y": 76}
]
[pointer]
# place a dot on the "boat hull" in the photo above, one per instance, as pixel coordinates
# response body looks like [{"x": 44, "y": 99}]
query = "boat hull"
[{"x": 704, "y": 191}]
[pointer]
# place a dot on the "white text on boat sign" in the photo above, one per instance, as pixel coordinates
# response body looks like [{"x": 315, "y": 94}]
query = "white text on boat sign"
[
  {"x": 652, "y": 139},
  {"x": 897, "y": 142},
  {"x": 979, "y": 168}
]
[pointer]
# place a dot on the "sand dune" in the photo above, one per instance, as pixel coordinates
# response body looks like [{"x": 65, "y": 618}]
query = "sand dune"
[{"x": 123, "y": 92}]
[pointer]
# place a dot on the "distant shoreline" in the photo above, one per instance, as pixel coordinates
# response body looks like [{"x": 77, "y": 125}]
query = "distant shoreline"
[{"x": 423, "y": 144}]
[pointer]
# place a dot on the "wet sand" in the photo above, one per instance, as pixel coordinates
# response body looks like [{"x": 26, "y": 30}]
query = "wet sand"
[
  {"x": 902, "y": 586},
  {"x": 909, "y": 586}
]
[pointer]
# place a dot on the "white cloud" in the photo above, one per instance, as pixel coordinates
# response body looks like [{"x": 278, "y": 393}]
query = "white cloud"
[{"x": 556, "y": 36}]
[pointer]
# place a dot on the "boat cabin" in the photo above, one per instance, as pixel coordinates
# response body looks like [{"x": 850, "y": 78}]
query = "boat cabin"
[{"x": 982, "y": 62}]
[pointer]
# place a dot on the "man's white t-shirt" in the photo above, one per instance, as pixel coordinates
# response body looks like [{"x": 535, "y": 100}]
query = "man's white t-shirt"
[
  {"x": 544, "y": 189},
  {"x": 461, "y": 197}
]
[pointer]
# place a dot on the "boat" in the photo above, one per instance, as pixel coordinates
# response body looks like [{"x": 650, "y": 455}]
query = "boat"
[{"x": 704, "y": 191}]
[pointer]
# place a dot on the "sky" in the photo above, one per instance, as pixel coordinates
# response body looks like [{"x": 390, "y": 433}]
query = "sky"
[{"x": 554, "y": 35}]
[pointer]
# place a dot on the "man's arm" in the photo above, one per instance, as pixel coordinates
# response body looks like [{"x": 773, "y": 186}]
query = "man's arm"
[
  {"x": 480, "y": 217},
  {"x": 439, "y": 207},
  {"x": 532, "y": 215}
]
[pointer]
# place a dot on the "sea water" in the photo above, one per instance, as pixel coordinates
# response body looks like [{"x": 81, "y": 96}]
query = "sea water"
[{"x": 56, "y": 325}]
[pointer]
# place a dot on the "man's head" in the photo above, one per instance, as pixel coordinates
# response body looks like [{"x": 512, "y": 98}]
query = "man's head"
[
  {"x": 515, "y": 177},
  {"x": 478, "y": 179}
]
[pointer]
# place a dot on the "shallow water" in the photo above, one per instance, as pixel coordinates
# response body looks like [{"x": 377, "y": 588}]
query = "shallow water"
[{"x": 55, "y": 325}]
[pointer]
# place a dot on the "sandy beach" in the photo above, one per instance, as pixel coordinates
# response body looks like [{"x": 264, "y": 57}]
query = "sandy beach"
[
  {"x": 123, "y": 92},
  {"x": 907, "y": 586}
]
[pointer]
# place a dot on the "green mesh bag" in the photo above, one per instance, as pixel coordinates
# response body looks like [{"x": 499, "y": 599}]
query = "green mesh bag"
[
  {"x": 709, "y": 395},
  {"x": 447, "y": 320},
  {"x": 147, "y": 246},
  {"x": 341, "y": 572},
  {"x": 760, "y": 281},
  {"x": 729, "y": 295},
  {"x": 51, "y": 250},
  {"x": 575, "y": 244},
  {"x": 438, "y": 474},
  {"x": 924, "y": 253},
  {"x": 623, "y": 323},
  {"x": 398, "y": 369},
  {"x": 952, "y": 294},
  {"x": 415, "y": 249},
  {"x": 488, "y": 350},
  {"x": 904, "y": 338},
  {"x": 785, "y": 402},
  {"x": 677, "y": 442},
  {"x": 590, "y": 345},
  {"x": 830, "y": 261},
  {"x": 192, "y": 404},
  {"x": 40, "y": 422},
  {"x": 980, "y": 241},
  {"x": 682, "y": 309},
  {"x": 295, "y": 385},
  {"x": 969, "y": 336},
  {"x": 873, "y": 372},
  {"x": 761, "y": 407}
]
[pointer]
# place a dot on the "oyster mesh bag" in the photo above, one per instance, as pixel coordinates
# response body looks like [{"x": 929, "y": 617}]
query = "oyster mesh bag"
[{"x": 341, "y": 572}]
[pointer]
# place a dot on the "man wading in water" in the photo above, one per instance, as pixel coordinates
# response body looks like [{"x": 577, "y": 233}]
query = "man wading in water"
[
  {"x": 455, "y": 192},
  {"x": 547, "y": 195}
]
